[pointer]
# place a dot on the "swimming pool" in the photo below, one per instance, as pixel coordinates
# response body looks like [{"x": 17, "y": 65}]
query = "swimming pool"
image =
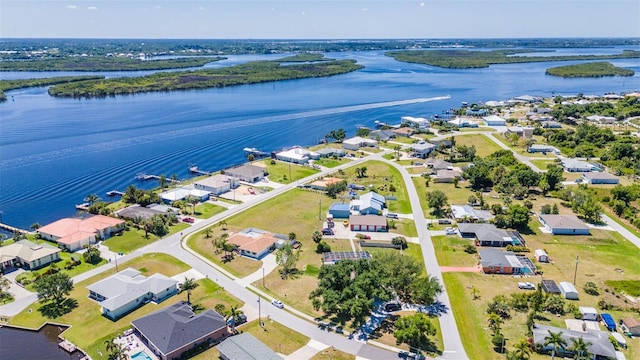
[{"x": 141, "y": 356}]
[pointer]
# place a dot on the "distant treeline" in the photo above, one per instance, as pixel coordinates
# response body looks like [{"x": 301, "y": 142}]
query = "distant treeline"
[
  {"x": 248, "y": 73},
  {"x": 6, "y": 85},
  {"x": 469, "y": 59},
  {"x": 596, "y": 69},
  {"x": 30, "y": 48},
  {"x": 304, "y": 57},
  {"x": 103, "y": 63}
]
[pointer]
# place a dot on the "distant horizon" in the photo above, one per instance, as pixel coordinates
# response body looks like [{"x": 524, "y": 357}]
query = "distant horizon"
[
  {"x": 329, "y": 39},
  {"x": 319, "y": 19}
]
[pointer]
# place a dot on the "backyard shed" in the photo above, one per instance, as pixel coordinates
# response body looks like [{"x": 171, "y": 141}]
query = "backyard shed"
[
  {"x": 568, "y": 290},
  {"x": 550, "y": 287},
  {"x": 631, "y": 326},
  {"x": 588, "y": 313},
  {"x": 608, "y": 321},
  {"x": 541, "y": 256}
]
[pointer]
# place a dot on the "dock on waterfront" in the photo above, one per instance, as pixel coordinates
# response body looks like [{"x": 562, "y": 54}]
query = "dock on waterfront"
[
  {"x": 194, "y": 170},
  {"x": 114, "y": 193},
  {"x": 145, "y": 177},
  {"x": 13, "y": 229},
  {"x": 67, "y": 346}
]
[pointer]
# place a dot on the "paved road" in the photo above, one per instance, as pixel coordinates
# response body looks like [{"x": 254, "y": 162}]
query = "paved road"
[{"x": 453, "y": 348}]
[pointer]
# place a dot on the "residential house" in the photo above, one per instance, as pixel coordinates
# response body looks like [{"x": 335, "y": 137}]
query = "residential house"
[
  {"x": 171, "y": 331},
  {"x": 246, "y": 172},
  {"x": 575, "y": 165},
  {"x": 466, "y": 213},
  {"x": 564, "y": 224},
  {"x": 463, "y": 122},
  {"x": 72, "y": 233},
  {"x": 297, "y": 155},
  {"x": 382, "y": 135},
  {"x": 330, "y": 258},
  {"x": 525, "y": 132},
  {"x": 127, "y": 290},
  {"x": 598, "y": 342},
  {"x": 490, "y": 235},
  {"x": 330, "y": 151},
  {"x": 27, "y": 255},
  {"x": 416, "y": 123},
  {"x": 604, "y": 120},
  {"x": 245, "y": 347},
  {"x": 217, "y": 184},
  {"x": 370, "y": 203},
  {"x": 630, "y": 325},
  {"x": 368, "y": 223},
  {"x": 255, "y": 243},
  {"x": 597, "y": 177},
  {"x": 137, "y": 211},
  {"x": 183, "y": 193},
  {"x": 444, "y": 143},
  {"x": 357, "y": 142},
  {"x": 476, "y": 112},
  {"x": 539, "y": 148},
  {"x": 502, "y": 262},
  {"x": 568, "y": 290},
  {"x": 494, "y": 120},
  {"x": 404, "y": 131},
  {"x": 421, "y": 150},
  {"x": 321, "y": 184},
  {"x": 447, "y": 176},
  {"x": 551, "y": 125},
  {"x": 340, "y": 211},
  {"x": 437, "y": 164}
]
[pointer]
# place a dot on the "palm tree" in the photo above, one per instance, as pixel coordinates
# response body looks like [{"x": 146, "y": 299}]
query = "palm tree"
[
  {"x": 523, "y": 350},
  {"x": 162, "y": 181},
  {"x": 188, "y": 285},
  {"x": 580, "y": 349},
  {"x": 223, "y": 224},
  {"x": 174, "y": 178},
  {"x": 92, "y": 198},
  {"x": 233, "y": 313},
  {"x": 207, "y": 232},
  {"x": 115, "y": 350},
  {"x": 556, "y": 340},
  {"x": 494, "y": 321}
]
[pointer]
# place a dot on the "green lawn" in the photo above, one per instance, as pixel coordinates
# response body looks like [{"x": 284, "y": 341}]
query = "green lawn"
[
  {"x": 482, "y": 128},
  {"x": 276, "y": 336},
  {"x": 484, "y": 145},
  {"x": 405, "y": 227},
  {"x": 207, "y": 210},
  {"x": 286, "y": 173},
  {"x": 133, "y": 238},
  {"x": 401, "y": 140},
  {"x": 331, "y": 162},
  {"x": 384, "y": 178},
  {"x": 542, "y": 164},
  {"x": 450, "y": 251}
]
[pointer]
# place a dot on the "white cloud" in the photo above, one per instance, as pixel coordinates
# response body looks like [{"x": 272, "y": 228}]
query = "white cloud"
[
  {"x": 92, "y": 8},
  {"x": 365, "y": 9},
  {"x": 303, "y": 13},
  {"x": 421, "y": 4},
  {"x": 200, "y": 8},
  {"x": 72, "y": 7},
  {"x": 158, "y": 7}
]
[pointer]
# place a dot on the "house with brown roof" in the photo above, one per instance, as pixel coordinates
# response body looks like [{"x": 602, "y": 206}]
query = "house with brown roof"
[
  {"x": 27, "y": 255},
  {"x": 217, "y": 184},
  {"x": 368, "y": 223},
  {"x": 404, "y": 131},
  {"x": 256, "y": 243},
  {"x": 321, "y": 184},
  {"x": 72, "y": 233},
  {"x": 630, "y": 325},
  {"x": 564, "y": 224}
]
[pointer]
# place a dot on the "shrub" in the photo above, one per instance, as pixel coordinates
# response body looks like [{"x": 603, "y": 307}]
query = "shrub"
[
  {"x": 399, "y": 240},
  {"x": 606, "y": 198},
  {"x": 323, "y": 247},
  {"x": 498, "y": 342},
  {"x": 604, "y": 305},
  {"x": 470, "y": 249},
  {"x": 517, "y": 248},
  {"x": 591, "y": 288}
]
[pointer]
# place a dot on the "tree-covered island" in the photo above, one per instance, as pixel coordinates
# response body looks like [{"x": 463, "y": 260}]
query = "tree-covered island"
[
  {"x": 595, "y": 69},
  {"x": 6, "y": 85},
  {"x": 248, "y": 73},
  {"x": 470, "y": 59},
  {"x": 103, "y": 63}
]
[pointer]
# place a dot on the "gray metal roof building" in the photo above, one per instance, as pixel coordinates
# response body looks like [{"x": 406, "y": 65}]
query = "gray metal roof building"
[{"x": 245, "y": 347}]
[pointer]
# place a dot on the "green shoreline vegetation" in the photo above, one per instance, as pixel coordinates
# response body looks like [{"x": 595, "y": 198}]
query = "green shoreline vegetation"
[
  {"x": 104, "y": 64},
  {"x": 471, "y": 59},
  {"x": 596, "y": 69},
  {"x": 304, "y": 57},
  {"x": 6, "y": 85},
  {"x": 248, "y": 73}
]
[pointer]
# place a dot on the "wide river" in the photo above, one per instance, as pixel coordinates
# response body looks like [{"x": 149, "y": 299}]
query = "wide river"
[{"x": 54, "y": 151}]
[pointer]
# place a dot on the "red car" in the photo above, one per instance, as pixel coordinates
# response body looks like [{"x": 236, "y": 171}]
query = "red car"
[
  {"x": 188, "y": 220},
  {"x": 364, "y": 237}
]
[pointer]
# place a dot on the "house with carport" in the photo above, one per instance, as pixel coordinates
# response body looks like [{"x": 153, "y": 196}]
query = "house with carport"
[
  {"x": 246, "y": 172},
  {"x": 73, "y": 233},
  {"x": 598, "y": 342},
  {"x": 564, "y": 224},
  {"x": 127, "y": 290},
  {"x": 217, "y": 184},
  {"x": 172, "y": 331},
  {"x": 369, "y": 223},
  {"x": 27, "y": 255},
  {"x": 255, "y": 243}
]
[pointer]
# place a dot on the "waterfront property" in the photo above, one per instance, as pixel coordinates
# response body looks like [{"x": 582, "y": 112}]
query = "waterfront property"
[
  {"x": 597, "y": 177},
  {"x": 256, "y": 243},
  {"x": 404, "y": 131},
  {"x": 466, "y": 213},
  {"x": 330, "y": 151},
  {"x": 217, "y": 184},
  {"x": 382, "y": 135},
  {"x": 72, "y": 233},
  {"x": 357, "y": 142},
  {"x": 330, "y": 258},
  {"x": 463, "y": 122},
  {"x": 127, "y": 290},
  {"x": 183, "y": 193},
  {"x": 297, "y": 155},
  {"x": 564, "y": 224},
  {"x": 421, "y": 150},
  {"x": 137, "y": 211},
  {"x": 169, "y": 332},
  {"x": 368, "y": 223},
  {"x": 245, "y": 346},
  {"x": 490, "y": 235},
  {"x": 504, "y": 262},
  {"x": 246, "y": 172},
  {"x": 419, "y": 122},
  {"x": 598, "y": 341},
  {"x": 27, "y": 255}
]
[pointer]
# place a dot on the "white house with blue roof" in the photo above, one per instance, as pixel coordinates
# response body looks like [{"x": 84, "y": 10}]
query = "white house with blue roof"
[{"x": 370, "y": 203}]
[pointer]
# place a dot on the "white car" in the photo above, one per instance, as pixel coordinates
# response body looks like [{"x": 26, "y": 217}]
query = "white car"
[
  {"x": 526, "y": 286},
  {"x": 278, "y": 304},
  {"x": 450, "y": 231}
]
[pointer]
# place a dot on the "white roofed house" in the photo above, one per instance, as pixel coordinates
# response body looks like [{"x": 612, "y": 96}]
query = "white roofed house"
[
  {"x": 184, "y": 192},
  {"x": 357, "y": 142},
  {"x": 420, "y": 123},
  {"x": 370, "y": 203},
  {"x": 27, "y": 255},
  {"x": 127, "y": 290},
  {"x": 575, "y": 165},
  {"x": 217, "y": 184},
  {"x": 421, "y": 150},
  {"x": 564, "y": 224},
  {"x": 540, "y": 148},
  {"x": 466, "y": 213},
  {"x": 297, "y": 155},
  {"x": 447, "y": 176},
  {"x": 494, "y": 120}
]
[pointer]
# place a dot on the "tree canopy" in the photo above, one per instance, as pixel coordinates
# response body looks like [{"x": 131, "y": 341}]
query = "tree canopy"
[{"x": 53, "y": 287}]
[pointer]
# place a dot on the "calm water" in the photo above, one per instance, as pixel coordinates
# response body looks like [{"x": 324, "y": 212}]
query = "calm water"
[
  {"x": 54, "y": 152},
  {"x": 21, "y": 344}
]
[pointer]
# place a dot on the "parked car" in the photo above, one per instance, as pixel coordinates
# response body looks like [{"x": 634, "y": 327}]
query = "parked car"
[
  {"x": 526, "y": 286},
  {"x": 327, "y": 231},
  {"x": 450, "y": 231},
  {"x": 392, "y": 216},
  {"x": 444, "y": 221},
  {"x": 363, "y": 236},
  {"x": 189, "y": 220},
  {"x": 278, "y": 304},
  {"x": 392, "y": 306}
]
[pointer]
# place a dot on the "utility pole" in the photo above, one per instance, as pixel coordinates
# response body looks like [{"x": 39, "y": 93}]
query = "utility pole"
[
  {"x": 263, "y": 276},
  {"x": 320, "y": 209},
  {"x": 575, "y": 274}
]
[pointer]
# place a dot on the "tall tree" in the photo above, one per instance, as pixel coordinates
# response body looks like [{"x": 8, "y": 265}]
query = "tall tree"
[
  {"x": 91, "y": 198},
  {"x": 522, "y": 350},
  {"x": 437, "y": 199},
  {"x": 287, "y": 258},
  {"x": 162, "y": 181},
  {"x": 403, "y": 272},
  {"x": 317, "y": 237},
  {"x": 188, "y": 285},
  {"x": 91, "y": 254},
  {"x": 556, "y": 341},
  {"x": 207, "y": 232},
  {"x": 115, "y": 351},
  {"x": 54, "y": 287},
  {"x": 414, "y": 330},
  {"x": 425, "y": 290},
  {"x": 580, "y": 348}
]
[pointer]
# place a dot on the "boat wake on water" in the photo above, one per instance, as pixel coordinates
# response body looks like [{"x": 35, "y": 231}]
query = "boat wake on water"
[{"x": 173, "y": 134}]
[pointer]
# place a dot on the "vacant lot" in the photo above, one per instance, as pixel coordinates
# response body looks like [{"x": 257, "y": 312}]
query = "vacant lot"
[
  {"x": 133, "y": 238},
  {"x": 450, "y": 251},
  {"x": 484, "y": 145},
  {"x": 284, "y": 172}
]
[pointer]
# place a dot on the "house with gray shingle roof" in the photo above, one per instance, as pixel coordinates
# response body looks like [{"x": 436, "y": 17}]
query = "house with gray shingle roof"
[
  {"x": 501, "y": 262},
  {"x": 127, "y": 290},
  {"x": 598, "y": 341},
  {"x": 28, "y": 255},
  {"x": 490, "y": 235},
  {"x": 169, "y": 332},
  {"x": 245, "y": 347},
  {"x": 564, "y": 224}
]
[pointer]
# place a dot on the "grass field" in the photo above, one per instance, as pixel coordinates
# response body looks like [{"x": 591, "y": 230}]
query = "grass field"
[
  {"x": 276, "y": 336},
  {"x": 331, "y": 162},
  {"x": 542, "y": 164},
  {"x": 133, "y": 238},
  {"x": 484, "y": 146},
  {"x": 284, "y": 172},
  {"x": 207, "y": 210},
  {"x": 86, "y": 318},
  {"x": 482, "y": 128},
  {"x": 450, "y": 251}
]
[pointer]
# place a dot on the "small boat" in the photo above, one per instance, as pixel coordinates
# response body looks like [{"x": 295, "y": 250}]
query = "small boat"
[{"x": 83, "y": 206}]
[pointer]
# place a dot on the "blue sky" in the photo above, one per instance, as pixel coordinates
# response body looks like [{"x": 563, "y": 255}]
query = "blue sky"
[{"x": 319, "y": 19}]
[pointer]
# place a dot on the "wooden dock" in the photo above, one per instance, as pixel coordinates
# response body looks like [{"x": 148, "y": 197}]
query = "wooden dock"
[
  {"x": 194, "y": 170},
  {"x": 67, "y": 346},
  {"x": 145, "y": 177},
  {"x": 13, "y": 229}
]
